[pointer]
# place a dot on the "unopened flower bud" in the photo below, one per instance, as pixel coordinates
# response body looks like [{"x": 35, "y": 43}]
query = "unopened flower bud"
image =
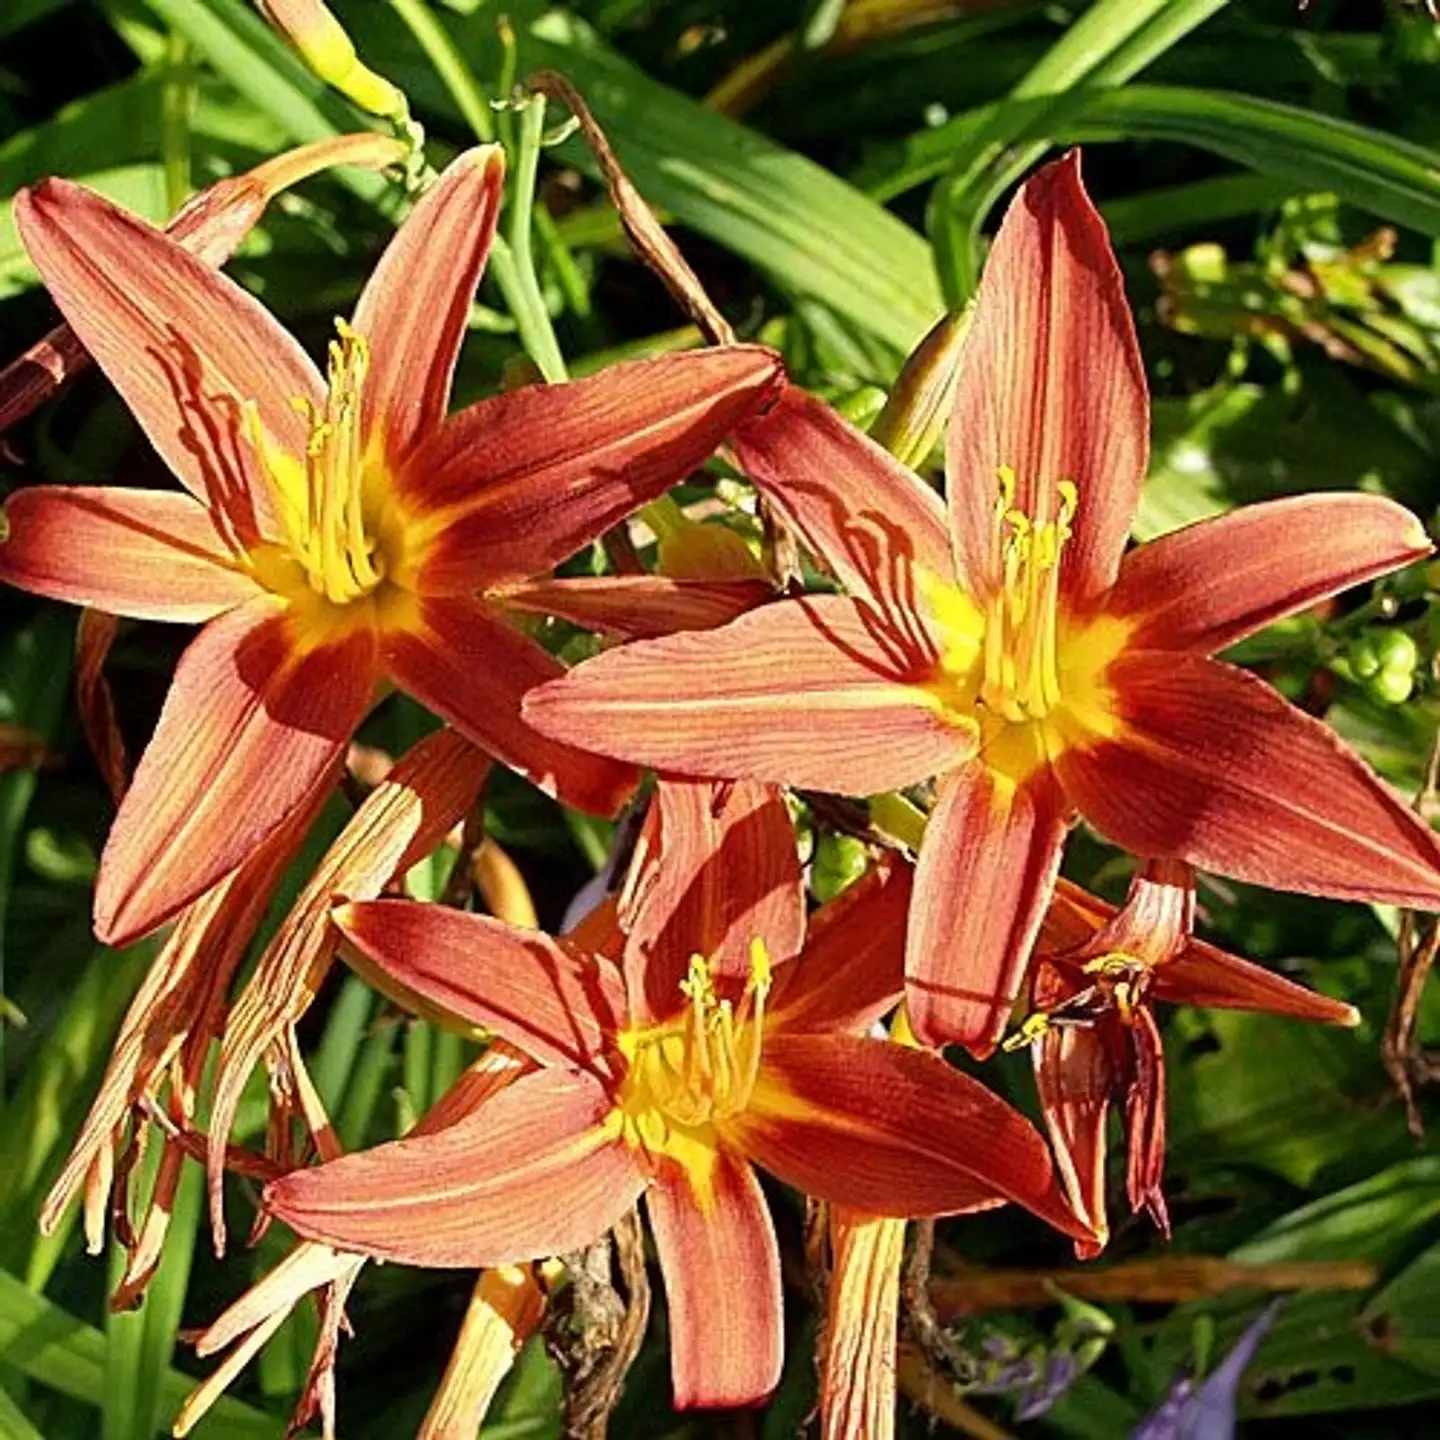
[
  {"x": 325, "y": 47},
  {"x": 914, "y": 416}
]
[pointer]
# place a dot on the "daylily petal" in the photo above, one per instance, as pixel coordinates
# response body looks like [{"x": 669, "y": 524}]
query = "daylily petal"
[
  {"x": 1075, "y": 1073},
  {"x": 857, "y": 1367},
  {"x": 819, "y": 693},
  {"x": 1215, "y": 582},
  {"x": 892, "y": 1131},
  {"x": 415, "y": 306},
  {"x": 987, "y": 865},
  {"x": 1201, "y": 974},
  {"x": 471, "y": 666},
  {"x": 852, "y": 970},
  {"x": 559, "y": 1007},
  {"x": 636, "y": 607},
  {"x": 1145, "y": 1122},
  {"x": 722, "y": 1284},
  {"x": 250, "y": 727},
  {"x": 530, "y": 1173},
  {"x": 1051, "y": 387},
  {"x": 715, "y": 868},
  {"x": 514, "y": 484},
  {"x": 1213, "y": 767},
  {"x": 150, "y": 554},
  {"x": 868, "y": 518},
  {"x": 185, "y": 346}
]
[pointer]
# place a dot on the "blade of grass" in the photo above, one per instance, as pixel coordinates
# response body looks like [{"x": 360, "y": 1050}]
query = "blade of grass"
[
  {"x": 1109, "y": 44},
  {"x": 1393, "y": 178},
  {"x": 142, "y": 1341},
  {"x": 51, "y": 1346}
]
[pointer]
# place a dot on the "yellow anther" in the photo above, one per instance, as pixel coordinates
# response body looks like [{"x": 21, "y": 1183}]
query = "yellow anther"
[
  {"x": 760, "y": 970},
  {"x": 1021, "y": 673},
  {"x": 320, "y": 498},
  {"x": 1114, "y": 962},
  {"x": 1031, "y": 1029}
]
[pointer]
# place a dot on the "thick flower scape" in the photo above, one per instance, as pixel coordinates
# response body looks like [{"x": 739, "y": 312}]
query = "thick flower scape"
[{"x": 1002, "y": 656}]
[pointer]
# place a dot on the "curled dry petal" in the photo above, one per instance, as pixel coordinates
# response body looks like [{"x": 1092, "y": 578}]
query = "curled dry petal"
[
  {"x": 505, "y": 1310},
  {"x": 857, "y": 1366},
  {"x": 403, "y": 819},
  {"x": 178, "y": 1005},
  {"x": 95, "y": 702}
]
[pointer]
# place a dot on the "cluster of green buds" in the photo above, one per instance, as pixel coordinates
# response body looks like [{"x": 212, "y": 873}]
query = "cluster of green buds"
[{"x": 1383, "y": 661}]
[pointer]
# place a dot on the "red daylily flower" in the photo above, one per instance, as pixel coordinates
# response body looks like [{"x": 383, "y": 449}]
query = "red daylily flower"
[
  {"x": 339, "y": 530},
  {"x": 669, "y": 1075},
  {"x": 1015, "y": 654},
  {"x": 1093, "y": 1036}
]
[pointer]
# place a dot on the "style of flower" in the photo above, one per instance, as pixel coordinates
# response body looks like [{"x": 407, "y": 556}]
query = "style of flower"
[
  {"x": 339, "y": 531},
  {"x": 671, "y": 1075},
  {"x": 1093, "y": 1035},
  {"x": 1013, "y": 653}
]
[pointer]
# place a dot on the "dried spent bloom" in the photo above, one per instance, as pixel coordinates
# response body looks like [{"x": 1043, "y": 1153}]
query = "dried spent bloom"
[
  {"x": 1014, "y": 653},
  {"x": 1093, "y": 1035},
  {"x": 340, "y": 530},
  {"x": 670, "y": 1074}
]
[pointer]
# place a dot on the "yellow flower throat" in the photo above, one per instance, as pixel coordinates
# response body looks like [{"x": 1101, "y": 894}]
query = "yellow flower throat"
[
  {"x": 687, "y": 1074},
  {"x": 1021, "y": 676},
  {"x": 319, "y": 502}
]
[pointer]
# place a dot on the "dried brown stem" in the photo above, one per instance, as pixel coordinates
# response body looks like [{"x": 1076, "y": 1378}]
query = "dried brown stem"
[
  {"x": 1410, "y": 1066},
  {"x": 647, "y": 235},
  {"x": 602, "y": 1328}
]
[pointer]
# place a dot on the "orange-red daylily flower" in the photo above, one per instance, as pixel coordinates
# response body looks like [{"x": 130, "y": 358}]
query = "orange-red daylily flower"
[
  {"x": 1014, "y": 653},
  {"x": 1093, "y": 1036},
  {"x": 340, "y": 530},
  {"x": 670, "y": 1075}
]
